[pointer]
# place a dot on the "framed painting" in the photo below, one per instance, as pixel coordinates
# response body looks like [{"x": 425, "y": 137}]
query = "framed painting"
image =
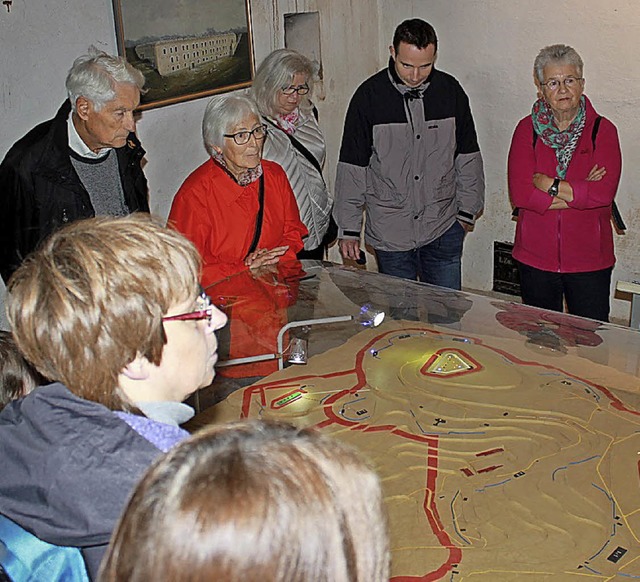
[{"x": 187, "y": 49}]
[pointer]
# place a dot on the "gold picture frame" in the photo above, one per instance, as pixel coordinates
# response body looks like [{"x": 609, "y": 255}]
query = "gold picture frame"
[{"x": 188, "y": 49}]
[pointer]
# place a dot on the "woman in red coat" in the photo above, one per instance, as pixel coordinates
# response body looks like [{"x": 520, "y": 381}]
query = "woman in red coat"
[
  {"x": 241, "y": 213},
  {"x": 238, "y": 209},
  {"x": 564, "y": 169}
]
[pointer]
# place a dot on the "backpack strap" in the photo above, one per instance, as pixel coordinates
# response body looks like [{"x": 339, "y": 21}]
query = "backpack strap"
[
  {"x": 594, "y": 131},
  {"x": 616, "y": 217}
]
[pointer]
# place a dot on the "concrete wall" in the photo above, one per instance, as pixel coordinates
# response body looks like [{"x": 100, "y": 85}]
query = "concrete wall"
[{"x": 489, "y": 45}]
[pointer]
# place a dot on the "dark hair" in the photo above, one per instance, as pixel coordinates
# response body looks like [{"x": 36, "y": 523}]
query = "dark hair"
[
  {"x": 416, "y": 32},
  {"x": 17, "y": 377},
  {"x": 253, "y": 501}
]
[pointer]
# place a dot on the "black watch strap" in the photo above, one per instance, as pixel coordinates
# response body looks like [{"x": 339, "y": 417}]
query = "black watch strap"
[{"x": 554, "y": 188}]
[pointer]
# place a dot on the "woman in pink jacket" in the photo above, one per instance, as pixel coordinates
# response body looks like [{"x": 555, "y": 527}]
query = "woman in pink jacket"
[{"x": 564, "y": 170}]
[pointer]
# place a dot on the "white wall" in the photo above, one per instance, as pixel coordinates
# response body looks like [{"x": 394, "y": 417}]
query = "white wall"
[{"x": 489, "y": 45}]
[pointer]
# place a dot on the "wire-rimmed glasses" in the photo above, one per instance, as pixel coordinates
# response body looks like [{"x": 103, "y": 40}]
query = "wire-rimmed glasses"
[{"x": 568, "y": 82}]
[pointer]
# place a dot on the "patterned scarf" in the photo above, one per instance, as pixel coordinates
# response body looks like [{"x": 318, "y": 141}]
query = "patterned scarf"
[
  {"x": 563, "y": 142},
  {"x": 289, "y": 122},
  {"x": 248, "y": 176}
]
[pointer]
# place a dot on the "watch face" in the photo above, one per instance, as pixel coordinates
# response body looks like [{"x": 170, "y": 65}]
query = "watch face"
[{"x": 553, "y": 190}]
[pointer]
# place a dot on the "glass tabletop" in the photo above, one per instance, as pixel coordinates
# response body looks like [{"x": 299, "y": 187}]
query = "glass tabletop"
[{"x": 507, "y": 438}]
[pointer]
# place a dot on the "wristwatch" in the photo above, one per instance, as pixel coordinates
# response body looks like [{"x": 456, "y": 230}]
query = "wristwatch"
[{"x": 554, "y": 188}]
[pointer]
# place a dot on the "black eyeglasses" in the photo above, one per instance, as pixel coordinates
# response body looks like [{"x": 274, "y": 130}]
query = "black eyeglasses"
[
  {"x": 300, "y": 89},
  {"x": 243, "y": 137},
  {"x": 205, "y": 310}
]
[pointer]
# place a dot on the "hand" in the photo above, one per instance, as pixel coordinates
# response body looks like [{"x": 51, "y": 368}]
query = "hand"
[
  {"x": 349, "y": 248},
  {"x": 262, "y": 257},
  {"x": 596, "y": 173},
  {"x": 558, "y": 204},
  {"x": 542, "y": 181},
  {"x": 466, "y": 226},
  {"x": 265, "y": 272}
]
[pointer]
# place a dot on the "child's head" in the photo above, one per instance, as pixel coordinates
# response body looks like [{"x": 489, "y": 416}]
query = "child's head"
[{"x": 17, "y": 377}]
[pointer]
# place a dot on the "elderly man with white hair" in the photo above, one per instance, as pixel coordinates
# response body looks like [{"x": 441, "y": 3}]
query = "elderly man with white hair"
[{"x": 84, "y": 162}]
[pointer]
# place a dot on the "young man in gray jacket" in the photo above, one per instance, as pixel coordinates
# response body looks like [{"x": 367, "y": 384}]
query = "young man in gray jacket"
[{"x": 410, "y": 159}]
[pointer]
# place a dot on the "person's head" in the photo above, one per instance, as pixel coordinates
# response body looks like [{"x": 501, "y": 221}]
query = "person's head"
[
  {"x": 17, "y": 377},
  {"x": 253, "y": 501},
  {"x": 87, "y": 309},
  {"x": 557, "y": 73},
  {"x": 414, "y": 49},
  {"x": 232, "y": 128},
  {"x": 284, "y": 82},
  {"x": 104, "y": 91}
]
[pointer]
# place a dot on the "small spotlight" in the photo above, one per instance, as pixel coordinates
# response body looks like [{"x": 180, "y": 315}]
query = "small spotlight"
[
  {"x": 370, "y": 316},
  {"x": 297, "y": 352}
]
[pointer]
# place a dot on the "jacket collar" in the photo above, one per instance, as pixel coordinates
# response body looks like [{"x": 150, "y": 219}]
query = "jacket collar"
[
  {"x": 55, "y": 162},
  {"x": 401, "y": 87}
]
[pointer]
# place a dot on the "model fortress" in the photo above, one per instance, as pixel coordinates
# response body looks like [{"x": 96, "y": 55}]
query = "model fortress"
[
  {"x": 497, "y": 464},
  {"x": 181, "y": 54}
]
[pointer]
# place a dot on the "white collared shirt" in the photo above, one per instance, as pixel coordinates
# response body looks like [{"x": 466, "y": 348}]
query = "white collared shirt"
[{"x": 77, "y": 144}]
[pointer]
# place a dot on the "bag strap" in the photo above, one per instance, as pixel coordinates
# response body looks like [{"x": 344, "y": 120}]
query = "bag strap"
[
  {"x": 258, "y": 230},
  {"x": 616, "y": 217},
  {"x": 301, "y": 148}
]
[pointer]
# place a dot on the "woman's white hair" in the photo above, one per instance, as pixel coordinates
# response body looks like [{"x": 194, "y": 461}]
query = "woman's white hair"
[
  {"x": 95, "y": 75},
  {"x": 556, "y": 54},
  {"x": 275, "y": 73},
  {"x": 221, "y": 114}
]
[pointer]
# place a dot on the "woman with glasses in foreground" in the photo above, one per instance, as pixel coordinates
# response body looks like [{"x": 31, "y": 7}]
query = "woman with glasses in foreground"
[
  {"x": 282, "y": 88},
  {"x": 238, "y": 209},
  {"x": 564, "y": 169},
  {"x": 111, "y": 311},
  {"x": 254, "y": 501}
]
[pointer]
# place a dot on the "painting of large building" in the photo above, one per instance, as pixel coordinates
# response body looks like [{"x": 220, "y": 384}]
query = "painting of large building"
[{"x": 173, "y": 56}]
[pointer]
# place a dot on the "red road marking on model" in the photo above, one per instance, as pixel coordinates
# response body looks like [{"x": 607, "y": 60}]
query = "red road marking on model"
[
  {"x": 490, "y": 452},
  {"x": 489, "y": 469}
]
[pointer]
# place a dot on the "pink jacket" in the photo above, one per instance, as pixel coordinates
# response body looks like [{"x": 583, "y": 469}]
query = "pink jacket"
[{"x": 579, "y": 238}]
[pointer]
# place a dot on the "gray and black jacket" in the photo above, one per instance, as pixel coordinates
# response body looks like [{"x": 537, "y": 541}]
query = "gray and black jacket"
[{"x": 410, "y": 158}]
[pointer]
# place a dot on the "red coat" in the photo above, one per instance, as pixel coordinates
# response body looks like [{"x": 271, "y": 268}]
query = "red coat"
[
  {"x": 219, "y": 216},
  {"x": 579, "y": 238}
]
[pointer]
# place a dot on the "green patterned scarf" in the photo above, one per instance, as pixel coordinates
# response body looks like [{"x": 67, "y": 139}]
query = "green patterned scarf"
[{"x": 563, "y": 142}]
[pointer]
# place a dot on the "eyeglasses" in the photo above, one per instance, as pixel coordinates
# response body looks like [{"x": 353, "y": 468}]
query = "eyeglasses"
[
  {"x": 205, "y": 311},
  {"x": 568, "y": 82},
  {"x": 243, "y": 137},
  {"x": 300, "y": 89}
]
